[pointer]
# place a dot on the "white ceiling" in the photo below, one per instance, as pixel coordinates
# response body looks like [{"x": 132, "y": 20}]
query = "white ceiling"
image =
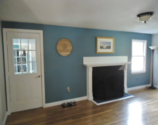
[{"x": 117, "y": 15}]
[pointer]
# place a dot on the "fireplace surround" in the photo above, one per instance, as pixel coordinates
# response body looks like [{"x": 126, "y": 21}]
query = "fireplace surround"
[{"x": 91, "y": 62}]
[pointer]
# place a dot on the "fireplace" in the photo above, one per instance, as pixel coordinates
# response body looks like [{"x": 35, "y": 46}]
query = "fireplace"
[
  {"x": 106, "y": 78},
  {"x": 107, "y": 82}
]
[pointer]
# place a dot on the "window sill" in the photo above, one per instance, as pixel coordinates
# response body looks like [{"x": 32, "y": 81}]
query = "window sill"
[{"x": 138, "y": 72}]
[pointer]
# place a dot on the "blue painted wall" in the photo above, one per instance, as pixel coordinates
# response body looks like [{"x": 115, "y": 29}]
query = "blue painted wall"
[{"x": 61, "y": 72}]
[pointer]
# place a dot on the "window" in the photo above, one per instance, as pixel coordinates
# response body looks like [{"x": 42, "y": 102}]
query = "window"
[
  {"x": 138, "y": 56},
  {"x": 24, "y": 56}
]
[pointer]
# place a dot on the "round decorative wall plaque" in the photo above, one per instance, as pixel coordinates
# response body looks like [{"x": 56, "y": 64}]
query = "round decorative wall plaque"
[{"x": 64, "y": 47}]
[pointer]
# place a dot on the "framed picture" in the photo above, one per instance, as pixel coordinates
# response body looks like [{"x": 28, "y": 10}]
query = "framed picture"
[{"x": 105, "y": 45}]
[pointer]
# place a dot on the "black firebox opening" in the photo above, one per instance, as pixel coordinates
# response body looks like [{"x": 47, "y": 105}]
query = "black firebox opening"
[{"x": 108, "y": 83}]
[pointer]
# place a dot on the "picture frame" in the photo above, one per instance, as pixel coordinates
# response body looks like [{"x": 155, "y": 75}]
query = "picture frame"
[{"x": 105, "y": 45}]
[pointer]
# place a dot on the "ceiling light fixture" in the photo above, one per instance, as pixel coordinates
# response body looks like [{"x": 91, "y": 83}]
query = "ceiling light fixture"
[{"x": 144, "y": 17}]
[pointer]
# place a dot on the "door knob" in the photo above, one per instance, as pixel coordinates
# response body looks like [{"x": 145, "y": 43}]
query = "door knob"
[{"x": 38, "y": 76}]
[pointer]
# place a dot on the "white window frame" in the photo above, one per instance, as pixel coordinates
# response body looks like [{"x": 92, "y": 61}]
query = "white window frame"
[{"x": 145, "y": 54}]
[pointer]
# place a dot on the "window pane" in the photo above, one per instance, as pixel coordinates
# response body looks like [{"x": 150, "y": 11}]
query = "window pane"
[
  {"x": 24, "y": 44},
  {"x": 32, "y": 44},
  {"x": 32, "y": 55},
  {"x": 24, "y": 60},
  {"x": 16, "y": 44},
  {"x": 137, "y": 64},
  {"x": 21, "y": 54},
  {"x": 137, "y": 48},
  {"x": 24, "y": 68},
  {"x": 17, "y": 60},
  {"x": 24, "y": 53},
  {"x": 18, "y": 69},
  {"x": 17, "y": 53},
  {"x": 32, "y": 67}
]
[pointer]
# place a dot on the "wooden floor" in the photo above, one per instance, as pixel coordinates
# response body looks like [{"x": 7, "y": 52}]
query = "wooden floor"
[{"x": 139, "y": 110}]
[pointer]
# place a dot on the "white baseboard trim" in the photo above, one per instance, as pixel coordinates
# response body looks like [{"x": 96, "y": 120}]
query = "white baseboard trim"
[
  {"x": 85, "y": 97},
  {"x": 68, "y": 100},
  {"x": 5, "y": 119},
  {"x": 138, "y": 87}
]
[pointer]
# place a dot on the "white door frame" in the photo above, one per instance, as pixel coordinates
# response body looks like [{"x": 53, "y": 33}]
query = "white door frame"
[{"x": 40, "y": 32}]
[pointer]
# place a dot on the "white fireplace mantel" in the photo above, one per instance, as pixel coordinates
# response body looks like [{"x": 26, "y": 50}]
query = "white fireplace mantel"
[{"x": 91, "y": 62}]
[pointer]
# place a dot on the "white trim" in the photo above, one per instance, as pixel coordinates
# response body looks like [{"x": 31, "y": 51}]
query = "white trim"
[
  {"x": 138, "y": 72},
  {"x": 86, "y": 98},
  {"x": 91, "y": 62},
  {"x": 68, "y": 100},
  {"x": 5, "y": 30},
  {"x": 5, "y": 118},
  {"x": 6, "y": 70},
  {"x": 96, "y": 61},
  {"x": 42, "y": 69},
  {"x": 138, "y": 87}
]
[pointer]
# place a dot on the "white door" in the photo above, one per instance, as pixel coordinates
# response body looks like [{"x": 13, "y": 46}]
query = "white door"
[{"x": 24, "y": 70}]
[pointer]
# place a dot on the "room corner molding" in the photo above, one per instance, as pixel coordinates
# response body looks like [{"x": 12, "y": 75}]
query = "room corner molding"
[{"x": 68, "y": 100}]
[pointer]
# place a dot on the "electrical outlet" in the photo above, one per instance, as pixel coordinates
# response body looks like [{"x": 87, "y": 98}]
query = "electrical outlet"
[{"x": 68, "y": 89}]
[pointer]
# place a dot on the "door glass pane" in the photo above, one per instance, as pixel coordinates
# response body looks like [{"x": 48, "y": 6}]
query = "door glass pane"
[
  {"x": 20, "y": 53},
  {"x": 32, "y": 67},
  {"x": 24, "y": 68},
  {"x": 17, "y": 59},
  {"x": 32, "y": 55},
  {"x": 24, "y": 53},
  {"x": 24, "y": 44},
  {"x": 16, "y": 44},
  {"x": 18, "y": 69},
  {"x": 23, "y": 59},
  {"x": 32, "y": 44},
  {"x": 17, "y": 53}
]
